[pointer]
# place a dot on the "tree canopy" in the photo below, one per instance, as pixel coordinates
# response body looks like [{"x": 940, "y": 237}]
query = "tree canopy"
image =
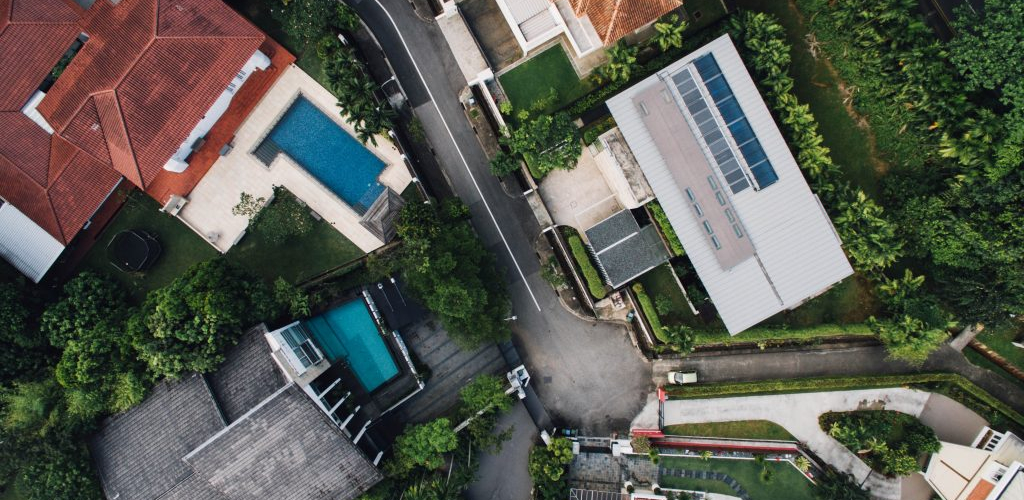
[
  {"x": 424, "y": 446},
  {"x": 547, "y": 142}
]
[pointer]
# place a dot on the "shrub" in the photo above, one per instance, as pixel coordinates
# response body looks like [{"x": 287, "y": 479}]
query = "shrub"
[
  {"x": 594, "y": 282},
  {"x": 661, "y": 218},
  {"x": 594, "y": 130},
  {"x": 650, "y": 312},
  {"x": 890, "y": 442}
]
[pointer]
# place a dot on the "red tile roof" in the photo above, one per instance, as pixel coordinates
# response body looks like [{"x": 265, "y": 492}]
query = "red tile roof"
[
  {"x": 122, "y": 107},
  {"x": 614, "y": 19}
]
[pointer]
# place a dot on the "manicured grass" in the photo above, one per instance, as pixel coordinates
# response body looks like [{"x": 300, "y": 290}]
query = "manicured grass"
[
  {"x": 660, "y": 284},
  {"x": 533, "y": 80},
  {"x": 816, "y": 86},
  {"x": 787, "y": 483},
  {"x": 1000, "y": 339},
  {"x": 740, "y": 429},
  {"x": 299, "y": 258},
  {"x": 181, "y": 246}
]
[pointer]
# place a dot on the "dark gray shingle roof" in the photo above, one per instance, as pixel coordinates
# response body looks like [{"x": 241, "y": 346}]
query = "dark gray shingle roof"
[
  {"x": 285, "y": 449},
  {"x": 247, "y": 376},
  {"x": 623, "y": 249},
  {"x": 138, "y": 453}
]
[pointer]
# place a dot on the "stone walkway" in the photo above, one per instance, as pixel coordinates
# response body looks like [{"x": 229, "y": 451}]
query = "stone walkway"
[
  {"x": 711, "y": 476},
  {"x": 798, "y": 413}
]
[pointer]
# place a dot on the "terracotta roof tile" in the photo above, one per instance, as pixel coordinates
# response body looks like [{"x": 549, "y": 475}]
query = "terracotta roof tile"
[
  {"x": 143, "y": 80},
  {"x": 614, "y": 19}
]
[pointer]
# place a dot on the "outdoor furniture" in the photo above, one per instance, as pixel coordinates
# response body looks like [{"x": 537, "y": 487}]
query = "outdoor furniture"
[{"x": 133, "y": 250}]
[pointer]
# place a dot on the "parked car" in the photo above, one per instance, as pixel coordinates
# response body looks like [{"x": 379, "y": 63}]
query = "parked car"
[{"x": 681, "y": 378}]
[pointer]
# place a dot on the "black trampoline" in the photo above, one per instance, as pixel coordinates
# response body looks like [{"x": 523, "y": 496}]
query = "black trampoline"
[{"x": 133, "y": 250}]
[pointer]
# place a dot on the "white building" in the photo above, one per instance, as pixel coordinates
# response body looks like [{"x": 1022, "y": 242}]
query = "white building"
[
  {"x": 757, "y": 235},
  {"x": 990, "y": 469}
]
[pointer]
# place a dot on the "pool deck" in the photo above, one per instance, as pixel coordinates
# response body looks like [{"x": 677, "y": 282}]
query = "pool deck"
[{"x": 208, "y": 211}]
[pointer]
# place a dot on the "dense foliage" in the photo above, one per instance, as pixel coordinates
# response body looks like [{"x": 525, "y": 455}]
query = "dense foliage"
[
  {"x": 423, "y": 446},
  {"x": 356, "y": 91},
  {"x": 187, "y": 325},
  {"x": 308, "y": 20},
  {"x": 890, "y": 442},
  {"x": 668, "y": 33},
  {"x": 593, "y": 278},
  {"x": 547, "y": 142},
  {"x": 483, "y": 400},
  {"x": 621, "y": 61},
  {"x": 25, "y": 348},
  {"x": 659, "y": 216},
  {"x": 949, "y": 118},
  {"x": 449, "y": 269},
  {"x": 548, "y": 466},
  {"x": 917, "y": 325},
  {"x": 834, "y": 485}
]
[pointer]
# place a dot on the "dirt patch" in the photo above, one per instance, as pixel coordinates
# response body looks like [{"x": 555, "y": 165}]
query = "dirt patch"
[{"x": 846, "y": 91}]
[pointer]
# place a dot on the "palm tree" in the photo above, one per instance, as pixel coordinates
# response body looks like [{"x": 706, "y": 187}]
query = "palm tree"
[
  {"x": 668, "y": 34},
  {"x": 621, "y": 60},
  {"x": 802, "y": 463}
]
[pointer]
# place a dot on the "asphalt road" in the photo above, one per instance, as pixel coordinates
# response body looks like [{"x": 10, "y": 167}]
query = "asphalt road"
[{"x": 588, "y": 375}]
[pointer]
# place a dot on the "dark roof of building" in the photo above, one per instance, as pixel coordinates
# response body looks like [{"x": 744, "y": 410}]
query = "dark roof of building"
[
  {"x": 279, "y": 444},
  {"x": 147, "y": 74},
  {"x": 138, "y": 453},
  {"x": 380, "y": 218},
  {"x": 623, "y": 249},
  {"x": 247, "y": 376},
  {"x": 285, "y": 448}
]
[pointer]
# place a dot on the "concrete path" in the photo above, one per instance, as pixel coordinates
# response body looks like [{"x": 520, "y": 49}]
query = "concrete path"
[{"x": 798, "y": 413}]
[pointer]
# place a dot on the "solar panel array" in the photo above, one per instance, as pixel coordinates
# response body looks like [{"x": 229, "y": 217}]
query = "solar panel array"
[{"x": 736, "y": 122}]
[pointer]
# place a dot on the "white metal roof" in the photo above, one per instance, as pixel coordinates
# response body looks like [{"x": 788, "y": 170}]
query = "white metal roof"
[
  {"x": 797, "y": 254},
  {"x": 25, "y": 245}
]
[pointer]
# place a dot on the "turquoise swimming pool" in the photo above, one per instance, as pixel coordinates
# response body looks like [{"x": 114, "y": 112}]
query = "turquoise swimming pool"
[
  {"x": 329, "y": 153},
  {"x": 347, "y": 333}
]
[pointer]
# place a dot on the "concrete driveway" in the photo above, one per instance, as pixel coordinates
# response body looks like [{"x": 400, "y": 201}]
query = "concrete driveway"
[{"x": 798, "y": 413}]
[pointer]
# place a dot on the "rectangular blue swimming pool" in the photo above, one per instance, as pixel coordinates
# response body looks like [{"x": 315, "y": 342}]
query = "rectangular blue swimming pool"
[
  {"x": 347, "y": 333},
  {"x": 329, "y": 153}
]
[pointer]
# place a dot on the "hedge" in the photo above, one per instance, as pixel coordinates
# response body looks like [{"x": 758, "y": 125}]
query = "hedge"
[
  {"x": 594, "y": 282},
  {"x": 661, "y": 218},
  {"x": 650, "y": 311},
  {"x": 845, "y": 383},
  {"x": 594, "y": 130}
]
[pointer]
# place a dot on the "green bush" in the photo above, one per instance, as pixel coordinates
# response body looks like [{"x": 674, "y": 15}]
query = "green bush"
[
  {"x": 594, "y": 282},
  {"x": 932, "y": 380},
  {"x": 650, "y": 311},
  {"x": 594, "y": 130},
  {"x": 661, "y": 219},
  {"x": 889, "y": 441}
]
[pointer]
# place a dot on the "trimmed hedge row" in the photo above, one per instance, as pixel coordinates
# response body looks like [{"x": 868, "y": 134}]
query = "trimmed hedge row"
[
  {"x": 661, "y": 218},
  {"x": 845, "y": 383},
  {"x": 650, "y": 311},
  {"x": 594, "y": 282}
]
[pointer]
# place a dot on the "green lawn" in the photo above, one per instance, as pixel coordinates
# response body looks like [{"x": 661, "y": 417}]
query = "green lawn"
[
  {"x": 661, "y": 285},
  {"x": 299, "y": 258},
  {"x": 181, "y": 246},
  {"x": 533, "y": 80},
  {"x": 1000, "y": 339},
  {"x": 741, "y": 429},
  {"x": 816, "y": 86},
  {"x": 786, "y": 484}
]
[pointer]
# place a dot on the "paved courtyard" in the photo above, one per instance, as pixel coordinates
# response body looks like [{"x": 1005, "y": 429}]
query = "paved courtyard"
[
  {"x": 579, "y": 197},
  {"x": 804, "y": 426}
]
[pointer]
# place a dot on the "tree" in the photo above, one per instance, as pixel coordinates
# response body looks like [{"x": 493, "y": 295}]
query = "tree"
[
  {"x": 706, "y": 455},
  {"x": 547, "y": 142},
  {"x": 25, "y": 348},
  {"x": 919, "y": 324},
  {"x": 668, "y": 33},
  {"x": 248, "y": 206},
  {"x": 989, "y": 45},
  {"x": 486, "y": 393},
  {"x": 424, "y": 446},
  {"x": 681, "y": 337},
  {"x": 294, "y": 299},
  {"x": 621, "y": 61},
  {"x": 187, "y": 325},
  {"x": 547, "y": 468},
  {"x": 504, "y": 164},
  {"x": 802, "y": 464},
  {"x": 448, "y": 268},
  {"x": 834, "y": 485},
  {"x": 59, "y": 469},
  {"x": 307, "y": 20},
  {"x": 98, "y": 365}
]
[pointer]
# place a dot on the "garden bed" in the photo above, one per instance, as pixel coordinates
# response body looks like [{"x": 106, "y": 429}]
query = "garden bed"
[
  {"x": 584, "y": 263},
  {"x": 890, "y": 442}
]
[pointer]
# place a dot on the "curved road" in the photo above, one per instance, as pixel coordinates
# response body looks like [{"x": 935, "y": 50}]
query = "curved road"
[{"x": 587, "y": 374}]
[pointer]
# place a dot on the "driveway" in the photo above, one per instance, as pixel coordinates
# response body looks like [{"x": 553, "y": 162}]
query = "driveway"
[
  {"x": 504, "y": 476},
  {"x": 798, "y": 413},
  {"x": 587, "y": 374}
]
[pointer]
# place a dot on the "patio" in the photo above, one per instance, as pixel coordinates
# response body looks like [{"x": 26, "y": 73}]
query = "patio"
[{"x": 208, "y": 210}]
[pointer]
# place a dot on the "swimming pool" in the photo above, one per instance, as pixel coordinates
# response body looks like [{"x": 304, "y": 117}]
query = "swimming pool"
[
  {"x": 329, "y": 153},
  {"x": 348, "y": 333}
]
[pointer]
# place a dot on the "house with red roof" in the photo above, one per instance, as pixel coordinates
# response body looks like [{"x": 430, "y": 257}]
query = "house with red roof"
[{"x": 128, "y": 91}]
